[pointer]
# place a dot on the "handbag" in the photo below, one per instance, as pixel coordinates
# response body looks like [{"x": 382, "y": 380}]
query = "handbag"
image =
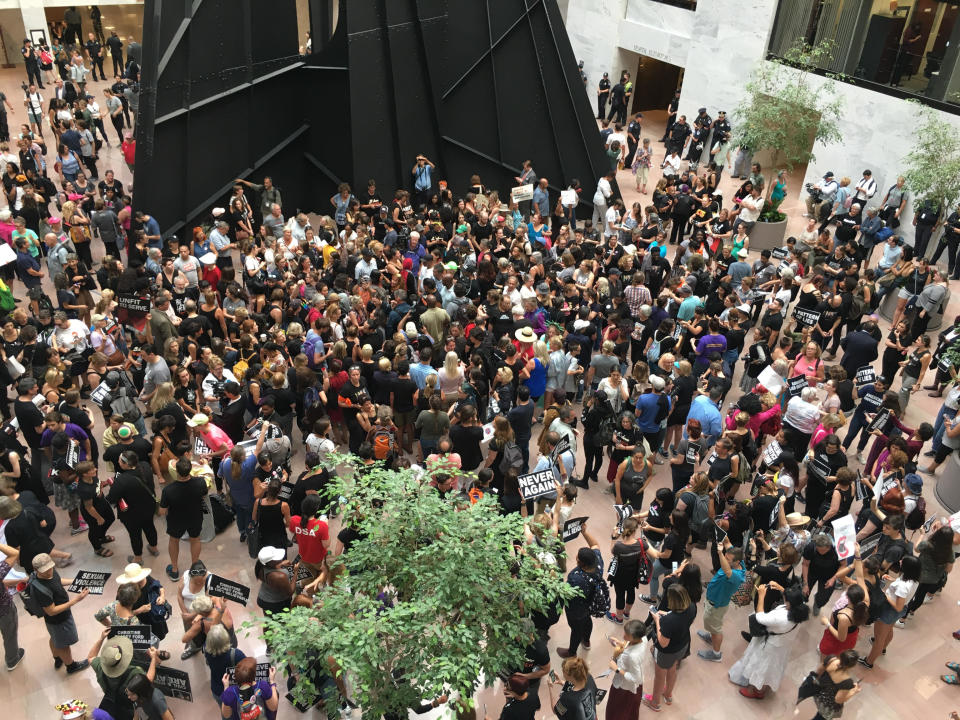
[
  {"x": 612, "y": 569},
  {"x": 809, "y": 687},
  {"x": 887, "y": 280},
  {"x": 743, "y": 595}
]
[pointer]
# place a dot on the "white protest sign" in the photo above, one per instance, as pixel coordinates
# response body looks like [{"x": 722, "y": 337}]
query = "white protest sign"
[
  {"x": 770, "y": 380},
  {"x": 845, "y": 536}
]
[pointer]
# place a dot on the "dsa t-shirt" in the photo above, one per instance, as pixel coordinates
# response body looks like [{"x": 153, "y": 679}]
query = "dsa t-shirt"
[{"x": 311, "y": 539}]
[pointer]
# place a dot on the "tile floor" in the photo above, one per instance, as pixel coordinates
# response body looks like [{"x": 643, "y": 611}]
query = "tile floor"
[{"x": 905, "y": 684}]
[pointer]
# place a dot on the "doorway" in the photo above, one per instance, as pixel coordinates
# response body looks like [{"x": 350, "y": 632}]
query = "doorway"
[{"x": 655, "y": 83}]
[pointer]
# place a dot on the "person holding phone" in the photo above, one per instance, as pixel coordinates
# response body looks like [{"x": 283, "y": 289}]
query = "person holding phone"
[
  {"x": 837, "y": 685},
  {"x": 626, "y": 688}
]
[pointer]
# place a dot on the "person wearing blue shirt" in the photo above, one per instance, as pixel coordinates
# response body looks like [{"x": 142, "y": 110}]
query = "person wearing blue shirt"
[
  {"x": 541, "y": 198},
  {"x": 689, "y": 303},
  {"x": 721, "y": 588},
  {"x": 652, "y": 408},
  {"x": 151, "y": 229},
  {"x": 241, "y": 486},
  {"x": 28, "y": 269},
  {"x": 704, "y": 408},
  {"x": 415, "y": 252},
  {"x": 422, "y": 180},
  {"x": 420, "y": 370}
]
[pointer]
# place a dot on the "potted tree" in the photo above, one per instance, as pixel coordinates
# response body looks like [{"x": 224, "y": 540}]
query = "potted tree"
[{"x": 785, "y": 113}]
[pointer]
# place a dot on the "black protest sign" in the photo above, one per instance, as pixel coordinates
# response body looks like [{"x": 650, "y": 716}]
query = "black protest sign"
[
  {"x": 92, "y": 580},
  {"x": 879, "y": 421},
  {"x": 779, "y": 253},
  {"x": 623, "y": 511},
  {"x": 795, "y": 385},
  {"x": 139, "y": 635},
  {"x": 601, "y": 694},
  {"x": 772, "y": 453},
  {"x": 819, "y": 468},
  {"x": 693, "y": 453},
  {"x": 806, "y": 317},
  {"x": 221, "y": 587},
  {"x": 173, "y": 683},
  {"x": 562, "y": 447},
  {"x": 866, "y": 375},
  {"x": 537, "y": 484},
  {"x": 73, "y": 453},
  {"x": 572, "y": 528},
  {"x": 263, "y": 672},
  {"x": 286, "y": 490},
  {"x": 134, "y": 303}
]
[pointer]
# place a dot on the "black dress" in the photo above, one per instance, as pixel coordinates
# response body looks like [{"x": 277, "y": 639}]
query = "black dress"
[{"x": 270, "y": 522}]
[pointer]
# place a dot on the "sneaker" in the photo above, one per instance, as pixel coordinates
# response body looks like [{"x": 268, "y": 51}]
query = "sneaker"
[
  {"x": 705, "y": 636},
  {"x": 711, "y": 655},
  {"x": 648, "y": 701},
  {"x": 901, "y": 623},
  {"x": 189, "y": 652},
  {"x": 57, "y": 663},
  {"x": 82, "y": 528},
  {"x": 77, "y": 666},
  {"x": 956, "y": 634},
  {"x": 613, "y": 618},
  {"x": 930, "y": 453},
  {"x": 652, "y": 601},
  {"x": 658, "y": 459},
  {"x": 172, "y": 574},
  {"x": 863, "y": 661},
  {"x": 586, "y": 645},
  {"x": 861, "y": 459},
  {"x": 16, "y": 662}
]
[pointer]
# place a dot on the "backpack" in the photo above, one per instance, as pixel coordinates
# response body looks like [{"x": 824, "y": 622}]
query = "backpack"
[
  {"x": 382, "y": 441},
  {"x": 512, "y": 457},
  {"x": 745, "y": 473},
  {"x": 123, "y": 405},
  {"x": 653, "y": 352},
  {"x": 599, "y": 604},
  {"x": 704, "y": 282},
  {"x": 248, "y": 703},
  {"x": 240, "y": 369},
  {"x": 644, "y": 566},
  {"x": 34, "y": 597},
  {"x": 604, "y": 434},
  {"x": 701, "y": 513},
  {"x": 915, "y": 518}
]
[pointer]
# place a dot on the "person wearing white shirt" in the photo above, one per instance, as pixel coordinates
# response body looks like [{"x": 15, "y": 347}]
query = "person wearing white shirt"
[
  {"x": 611, "y": 223},
  {"x": 601, "y": 197},
  {"x": 298, "y": 227},
  {"x": 627, "y": 665},
  {"x": 70, "y": 335},
  {"x": 619, "y": 136},
  {"x": 866, "y": 188},
  {"x": 671, "y": 164},
  {"x": 188, "y": 265}
]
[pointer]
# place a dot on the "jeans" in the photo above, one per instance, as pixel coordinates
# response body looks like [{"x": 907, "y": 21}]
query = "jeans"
[
  {"x": 599, "y": 216},
  {"x": 906, "y": 385},
  {"x": 244, "y": 516},
  {"x": 657, "y": 569},
  {"x": 8, "y": 628},
  {"x": 858, "y": 423},
  {"x": 939, "y": 427},
  {"x": 580, "y": 629}
]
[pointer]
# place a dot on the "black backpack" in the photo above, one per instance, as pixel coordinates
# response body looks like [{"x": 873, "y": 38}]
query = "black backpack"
[
  {"x": 35, "y": 597},
  {"x": 916, "y": 517}
]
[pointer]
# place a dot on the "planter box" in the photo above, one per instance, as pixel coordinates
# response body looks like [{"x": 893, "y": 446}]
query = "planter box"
[{"x": 767, "y": 236}]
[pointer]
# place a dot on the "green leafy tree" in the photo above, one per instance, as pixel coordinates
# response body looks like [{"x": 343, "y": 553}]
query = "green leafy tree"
[
  {"x": 933, "y": 165},
  {"x": 433, "y": 595},
  {"x": 785, "y": 106}
]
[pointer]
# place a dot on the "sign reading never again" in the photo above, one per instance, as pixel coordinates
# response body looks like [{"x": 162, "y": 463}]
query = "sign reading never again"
[{"x": 537, "y": 484}]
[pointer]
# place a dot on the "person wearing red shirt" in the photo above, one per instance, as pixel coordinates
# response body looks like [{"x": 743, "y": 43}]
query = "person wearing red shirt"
[{"x": 312, "y": 534}]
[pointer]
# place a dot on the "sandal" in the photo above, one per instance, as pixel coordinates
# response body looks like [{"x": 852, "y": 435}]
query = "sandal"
[
  {"x": 953, "y": 666},
  {"x": 153, "y": 551},
  {"x": 104, "y": 552},
  {"x": 950, "y": 679},
  {"x": 109, "y": 538}
]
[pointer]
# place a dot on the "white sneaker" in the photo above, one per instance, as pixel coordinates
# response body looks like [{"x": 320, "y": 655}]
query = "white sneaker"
[{"x": 860, "y": 459}]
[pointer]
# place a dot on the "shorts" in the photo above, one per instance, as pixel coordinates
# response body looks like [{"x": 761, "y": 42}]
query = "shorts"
[
  {"x": 889, "y": 614},
  {"x": 667, "y": 660},
  {"x": 35, "y": 118},
  {"x": 401, "y": 419},
  {"x": 713, "y": 617},
  {"x": 63, "y": 635},
  {"x": 185, "y": 526},
  {"x": 904, "y": 294}
]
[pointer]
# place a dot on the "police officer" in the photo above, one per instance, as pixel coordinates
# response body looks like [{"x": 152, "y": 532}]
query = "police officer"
[{"x": 603, "y": 96}]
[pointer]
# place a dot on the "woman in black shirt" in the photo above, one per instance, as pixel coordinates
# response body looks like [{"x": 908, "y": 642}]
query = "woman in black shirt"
[
  {"x": 94, "y": 507},
  {"x": 671, "y": 641}
]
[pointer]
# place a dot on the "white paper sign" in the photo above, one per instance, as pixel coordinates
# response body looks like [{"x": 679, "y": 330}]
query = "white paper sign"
[
  {"x": 770, "y": 380},
  {"x": 845, "y": 536},
  {"x": 522, "y": 192},
  {"x": 487, "y": 432},
  {"x": 7, "y": 255},
  {"x": 568, "y": 198}
]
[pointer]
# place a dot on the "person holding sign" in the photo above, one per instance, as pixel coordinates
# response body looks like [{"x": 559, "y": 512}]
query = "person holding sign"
[
  {"x": 246, "y": 693},
  {"x": 633, "y": 555},
  {"x": 822, "y": 469},
  {"x": 58, "y": 617},
  {"x": 147, "y": 700},
  {"x": 633, "y": 476},
  {"x": 587, "y": 578},
  {"x": 809, "y": 364}
]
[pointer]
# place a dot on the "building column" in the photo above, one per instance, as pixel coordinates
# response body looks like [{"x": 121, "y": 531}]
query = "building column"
[{"x": 34, "y": 18}]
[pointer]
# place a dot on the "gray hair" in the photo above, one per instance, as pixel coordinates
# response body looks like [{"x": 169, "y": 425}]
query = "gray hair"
[
  {"x": 808, "y": 394},
  {"x": 201, "y": 604},
  {"x": 153, "y": 253},
  {"x": 218, "y": 640}
]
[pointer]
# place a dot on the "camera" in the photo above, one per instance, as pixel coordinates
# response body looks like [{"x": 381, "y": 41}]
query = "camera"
[{"x": 816, "y": 194}]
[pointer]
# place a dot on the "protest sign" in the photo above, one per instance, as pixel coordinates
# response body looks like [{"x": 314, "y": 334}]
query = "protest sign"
[
  {"x": 779, "y": 253},
  {"x": 770, "y": 380},
  {"x": 139, "y": 635},
  {"x": 879, "y": 421},
  {"x": 844, "y": 536},
  {"x": 572, "y": 528},
  {"x": 866, "y": 375},
  {"x": 795, "y": 385},
  {"x": 221, "y": 587},
  {"x": 537, "y": 484},
  {"x": 522, "y": 192},
  {"x": 286, "y": 490},
  {"x": 562, "y": 447},
  {"x": 806, "y": 317},
  {"x": 262, "y": 672},
  {"x": 93, "y": 580},
  {"x": 134, "y": 303},
  {"x": 772, "y": 452},
  {"x": 173, "y": 683}
]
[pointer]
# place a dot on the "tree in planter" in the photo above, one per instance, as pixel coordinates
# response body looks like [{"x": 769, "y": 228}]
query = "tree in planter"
[
  {"x": 785, "y": 107},
  {"x": 433, "y": 595},
  {"x": 933, "y": 165}
]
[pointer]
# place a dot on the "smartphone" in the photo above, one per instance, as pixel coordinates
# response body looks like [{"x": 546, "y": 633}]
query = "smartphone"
[
  {"x": 675, "y": 565},
  {"x": 553, "y": 677}
]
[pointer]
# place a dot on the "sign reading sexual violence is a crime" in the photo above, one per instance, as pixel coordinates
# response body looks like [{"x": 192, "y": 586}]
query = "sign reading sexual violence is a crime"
[
  {"x": 537, "y": 484},
  {"x": 92, "y": 580}
]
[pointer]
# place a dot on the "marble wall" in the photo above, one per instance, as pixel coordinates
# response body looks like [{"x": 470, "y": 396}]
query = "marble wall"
[{"x": 718, "y": 46}]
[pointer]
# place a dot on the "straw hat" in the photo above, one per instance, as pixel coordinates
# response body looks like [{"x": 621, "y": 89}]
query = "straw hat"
[
  {"x": 796, "y": 519},
  {"x": 526, "y": 334},
  {"x": 115, "y": 656},
  {"x": 132, "y": 573}
]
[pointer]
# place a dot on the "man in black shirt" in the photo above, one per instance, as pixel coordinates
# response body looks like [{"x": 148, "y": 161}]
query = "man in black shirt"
[
  {"x": 950, "y": 240},
  {"x": 31, "y": 423},
  {"x": 231, "y": 417},
  {"x": 671, "y": 115},
  {"x": 603, "y": 94},
  {"x": 133, "y": 485},
  {"x": 633, "y": 138},
  {"x": 926, "y": 220},
  {"x": 181, "y": 503},
  {"x": 116, "y": 52},
  {"x": 401, "y": 400},
  {"x": 50, "y": 590},
  {"x": 678, "y": 135},
  {"x": 617, "y": 100},
  {"x": 128, "y": 440}
]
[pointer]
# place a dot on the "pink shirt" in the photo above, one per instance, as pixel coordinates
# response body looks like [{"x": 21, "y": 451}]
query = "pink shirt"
[{"x": 805, "y": 367}]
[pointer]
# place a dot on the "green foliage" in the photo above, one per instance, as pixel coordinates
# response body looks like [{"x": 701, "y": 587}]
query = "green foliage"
[
  {"x": 771, "y": 212},
  {"x": 933, "y": 165},
  {"x": 434, "y": 593},
  {"x": 783, "y": 109}
]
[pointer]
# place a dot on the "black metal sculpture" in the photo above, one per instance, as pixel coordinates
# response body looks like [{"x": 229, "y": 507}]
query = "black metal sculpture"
[{"x": 477, "y": 85}]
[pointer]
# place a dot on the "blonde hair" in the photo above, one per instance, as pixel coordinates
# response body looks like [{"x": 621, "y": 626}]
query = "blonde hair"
[
  {"x": 541, "y": 352},
  {"x": 385, "y": 365},
  {"x": 366, "y": 352},
  {"x": 684, "y": 368},
  {"x": 505, "y": 373},
  {"x": 451, "y": 363},
  {"x": 162, "y": 397},
  {"x": 430, "y": 385}
]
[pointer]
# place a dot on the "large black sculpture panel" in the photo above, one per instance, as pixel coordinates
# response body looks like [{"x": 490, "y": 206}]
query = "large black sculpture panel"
[{"x": 476, "y": 85}]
